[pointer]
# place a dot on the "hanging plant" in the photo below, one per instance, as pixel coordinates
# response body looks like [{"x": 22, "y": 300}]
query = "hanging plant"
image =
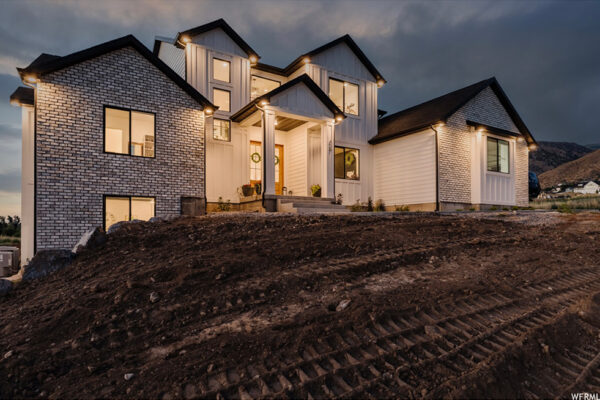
[
  {"x": 255, "y": 157},
  {"x": 350, "y": 158},
  {"x": 276, "y": 160}
]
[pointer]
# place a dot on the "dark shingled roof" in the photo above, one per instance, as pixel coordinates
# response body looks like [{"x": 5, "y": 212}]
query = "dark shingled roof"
[
  {"x": 220, "y": 23},
  {"x": 441, "y": 108},
  {"x": 23, "y": 95},
  {"x": 250, "y": 108},
  {"x": 46, "y": 63}
]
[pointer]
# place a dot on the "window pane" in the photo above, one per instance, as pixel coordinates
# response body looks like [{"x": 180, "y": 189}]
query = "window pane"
[
  {"x": 336, "y": 93},
  {"x": 116, "y": 137},
  {"x": 339, "y": 162},
  {"x": 142, "y": 134},
  {"x": 351, "y": 164},
  {"x": 255, "y": 162},
  {"x": 221, "y": 99},
  {"x": 504, "y": 156},
  {"x": 116, "y": 209},
  {"x": 221, "y": 70},
  {"x": 142, "y": 208},
  {"x": 351, "y": 98},
  {"x": 221, "y": 130},
  {"x": 492, "y": 154},
  {"x": 261, "y": 86}
]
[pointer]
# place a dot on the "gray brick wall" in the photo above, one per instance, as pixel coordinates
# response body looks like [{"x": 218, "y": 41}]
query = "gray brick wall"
[
  {"x": 455, "y": 149},
  {"x": 73, "y": 172}
]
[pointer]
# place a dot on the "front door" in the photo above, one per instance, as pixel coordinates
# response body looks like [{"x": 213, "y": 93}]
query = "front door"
[{"x": 278, "y": 169}]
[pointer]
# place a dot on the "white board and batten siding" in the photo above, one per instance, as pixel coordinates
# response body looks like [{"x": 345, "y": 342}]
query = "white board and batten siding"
[
  {"x": 404, "y": 169},
  {"x": 341, "y": 63},
  {"x": 300, "y": 100}
]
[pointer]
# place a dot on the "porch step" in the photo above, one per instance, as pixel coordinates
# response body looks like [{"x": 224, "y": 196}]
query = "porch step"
[{"x": 309, "y": 205}]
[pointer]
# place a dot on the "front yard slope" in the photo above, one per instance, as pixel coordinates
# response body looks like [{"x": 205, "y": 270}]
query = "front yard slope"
[{"x": 245, "y": 306}]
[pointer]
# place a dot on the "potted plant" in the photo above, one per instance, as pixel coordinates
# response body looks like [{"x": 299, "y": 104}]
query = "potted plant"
[
  {"x": 316, "y": 190},
  {"x": 247, "y": 190}
]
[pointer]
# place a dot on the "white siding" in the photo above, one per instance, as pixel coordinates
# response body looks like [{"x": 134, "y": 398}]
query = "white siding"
[
  {"x": 173, "y": 57},
  {"x": 300, "y": 100},
  {"x": 296, "y": 161},
  {"x": 404, "y": 170},
  {"x": 27, "y": 184},
  {"x": 218, "y": 40},
  {"x": 342, "y": 59}
]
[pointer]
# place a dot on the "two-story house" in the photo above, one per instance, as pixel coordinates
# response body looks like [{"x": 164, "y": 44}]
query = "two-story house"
[{"x": 110, "y": 127}]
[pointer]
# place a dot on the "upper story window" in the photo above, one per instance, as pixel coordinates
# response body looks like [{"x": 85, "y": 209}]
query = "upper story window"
[
  {"x": 346, "y": 163},
  {"x": 344, "y": 95},
  {"x": 498, "y": 155},
  {"x": 261, "y": 86},
  {"x": 129, "y": 132},
  {"x": 221, "y": 70},
  {"x": 222, "y": 99},
  {"x": 221, "y": 130}
]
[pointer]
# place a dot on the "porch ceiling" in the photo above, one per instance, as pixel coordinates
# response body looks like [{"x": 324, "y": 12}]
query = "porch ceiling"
[{"x": 285, "y": 123}]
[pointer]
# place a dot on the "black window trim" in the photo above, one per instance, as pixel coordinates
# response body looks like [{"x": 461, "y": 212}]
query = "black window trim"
[
  {"x": 213, "y": 71},
  {"x": 223, "y": 90},
  {"x": 105, "y": 106},
  {"x": 497, "y": 140},
  {"x": 213, "y": 130},
  {"x": 122, "y": 196},
  {"x": 344, "y": 95},
  {"x": 359, "y": 163}
]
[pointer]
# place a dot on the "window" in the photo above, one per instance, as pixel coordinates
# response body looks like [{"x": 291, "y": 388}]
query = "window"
[
  {"x": 127, "y": 208},
  {"x": 261, "y": 86},
  {"x": 221, "y": 70},
  {"x": 344, "y": 95},
  {"x": 255, "y": 162},
  {"x": 221, "y": 130},
  {"x": 221, "y": 99},
  {"x": 497, "y": 155},
  {"x": 346, "y": 163},
  {"x": 128, "y": 132}
]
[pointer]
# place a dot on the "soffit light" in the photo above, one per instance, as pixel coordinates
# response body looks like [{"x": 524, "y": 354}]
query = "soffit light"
[
  {"x": 380, "y": 83},
  {"x": 306, "y": 60},
  {"x": 263, "y": 103},
  {"x": 186, "y": 39},
  {"x": 30, "y": 79},
  {"x": 208, "y": 110},
  {"x": 253, "y": 59},
  {"x": 339, "y": 118}
]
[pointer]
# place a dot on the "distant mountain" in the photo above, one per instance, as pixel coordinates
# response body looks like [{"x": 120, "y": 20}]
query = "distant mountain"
[
  {"x": 593, "y": 146},
  {"x": 550, "y": 155},
  {"x": 585, "y": 168}
]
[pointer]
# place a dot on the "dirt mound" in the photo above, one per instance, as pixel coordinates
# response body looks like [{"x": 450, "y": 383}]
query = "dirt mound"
[{"x": 257, "y": 306}]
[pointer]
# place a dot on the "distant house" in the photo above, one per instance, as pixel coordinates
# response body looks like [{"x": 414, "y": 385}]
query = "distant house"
[{"x": 589, "y": 188}]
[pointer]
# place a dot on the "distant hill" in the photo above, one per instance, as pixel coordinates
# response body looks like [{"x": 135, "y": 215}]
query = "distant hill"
[
  {"x": 583, "y": 169},
  {"x": 595, "y": 146},
  {"x": 550, "y": 155}
]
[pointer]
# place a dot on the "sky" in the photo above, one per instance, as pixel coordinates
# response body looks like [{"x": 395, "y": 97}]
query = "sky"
[{"x": 545, "y": 54}]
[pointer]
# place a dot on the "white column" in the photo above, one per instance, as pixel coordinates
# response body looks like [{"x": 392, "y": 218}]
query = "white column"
[
  {"x": 327, "y": 160},
  {"x": 269, "y": 159}
]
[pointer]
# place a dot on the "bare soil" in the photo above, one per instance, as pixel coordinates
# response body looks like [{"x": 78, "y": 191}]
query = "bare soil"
[{"x": 247, "y": 306}]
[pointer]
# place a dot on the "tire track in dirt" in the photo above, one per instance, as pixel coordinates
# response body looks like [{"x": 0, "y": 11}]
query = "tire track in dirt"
[{"x": 352, "y": 363}]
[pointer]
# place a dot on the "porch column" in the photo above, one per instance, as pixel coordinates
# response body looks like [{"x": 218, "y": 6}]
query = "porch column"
[
  {"x": 327, "y": 160},
  {"x": 269, "y": 160}
]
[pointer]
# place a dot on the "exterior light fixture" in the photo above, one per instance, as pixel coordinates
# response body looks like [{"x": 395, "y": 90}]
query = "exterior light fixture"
[
  {"x": 208, "y": 110},
  {"x": 380, "y": 83},
  {"x": 520, "y": 139},
  {"x": 338, "y": 118},
  {"x": 186, "y": 39},
  {"x": 441, "y": 124},
  {"x": 306, "y": 60},
  {"x": 14, "y": 102},
  {"x": 532, "y": 147},
  {"x": 275, "y": 123},
  {"x": 253, "y": 59},
  {"x": 30, "y": 79},
  {"x": 263, "y": 103}
]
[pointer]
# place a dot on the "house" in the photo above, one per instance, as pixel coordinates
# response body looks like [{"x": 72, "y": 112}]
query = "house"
[
  {"x": 588, "y": 188},
  {"x": 118, "y": 132}
]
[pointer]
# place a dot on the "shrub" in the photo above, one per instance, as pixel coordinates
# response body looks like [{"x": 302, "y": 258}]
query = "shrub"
[
  {"x": 564, "y": 208},
  {"x": 339, "y": 199},
  {"x": 224, "y": 206},
  {"x": 505, "y": 209},
  {"x": 370, "y": 204},
  {"x": 402, "y": 208},
  {"x": 472, "y": 209},
  {"x": 379, "y": 205},
  {"x": 356, "y": 207},
  {"x": 493, "y": 208}
]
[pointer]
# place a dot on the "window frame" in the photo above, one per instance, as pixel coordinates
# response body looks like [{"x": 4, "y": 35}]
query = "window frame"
[
  {"x": 359, "y": 163},
  {"x": 105, "y": 196},
  {"x": 130, "y": 110},
  {"x": 261, "y": 77},
  {"x": 497, "y": 140},
  {"x": 213, "y": 130},
  {"x": 213, "y": 99},
  {"x": 344, "y": 95},
  {"x": 213, "y": 72}
]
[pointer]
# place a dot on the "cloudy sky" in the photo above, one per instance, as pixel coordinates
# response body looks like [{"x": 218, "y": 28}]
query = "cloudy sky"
[{"x": 546, "y": 55}]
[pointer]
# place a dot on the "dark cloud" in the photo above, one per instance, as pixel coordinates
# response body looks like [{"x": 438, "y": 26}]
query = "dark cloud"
[
  {"x": 9, "y": 132},
  {"x": 10, "y": 181}
]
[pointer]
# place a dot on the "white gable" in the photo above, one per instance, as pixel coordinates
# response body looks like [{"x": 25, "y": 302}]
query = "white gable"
[
  {"x": 299, "y": 99},
  {"x": 341, "y": 59},
  {"x": 217, "y": 39},
  {"x": 486, "y": 109}
]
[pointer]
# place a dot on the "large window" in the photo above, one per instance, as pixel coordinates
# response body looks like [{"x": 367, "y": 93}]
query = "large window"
[
  {"x": 221, "y": 70},
  {"x": 344, "y": 95},
  {"x": 222, "y": 99},
  {"x": 498, "y": 158},
  {"x": 127, "y": 208},
  {"x": 221, "y": 130},
  {"x": 255, "y": 162},
  {"x": 128, "y": 132},
  {"x": 346, "y": 163},
  {"x": 261, "y": 86}
]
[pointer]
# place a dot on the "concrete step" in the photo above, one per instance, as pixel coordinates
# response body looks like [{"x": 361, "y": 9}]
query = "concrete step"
[
  {"x": 322, "y": 211},
  {"x": 291, "y": 199},
  {"x": 303, "y": 204}
]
